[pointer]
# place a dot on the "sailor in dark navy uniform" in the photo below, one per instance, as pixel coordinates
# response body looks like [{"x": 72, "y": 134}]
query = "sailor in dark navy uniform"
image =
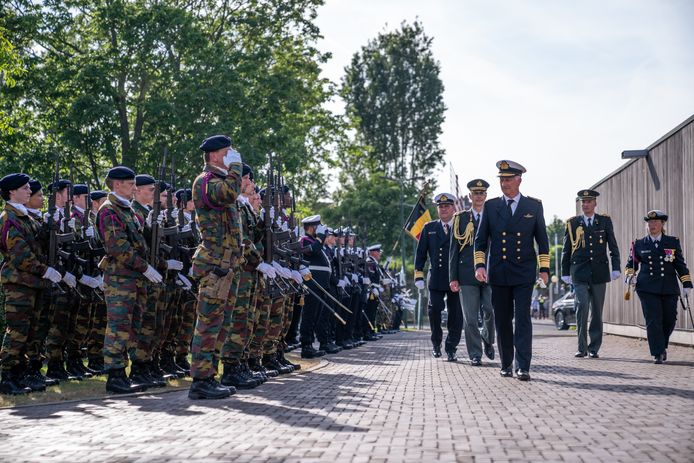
[
  {"x": 474, "y": 295},
  {"x": 510, "y": 227},
  {"x": 585, "y": 264},
  {"x": 434, "y": 243},
  {"x": 659, "y": 262}
]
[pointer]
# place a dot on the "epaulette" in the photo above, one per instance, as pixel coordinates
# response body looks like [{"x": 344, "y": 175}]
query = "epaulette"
[
  {"x": 459, "y": 213},
  {"x": 535, "y": 199},
  {"x": 604, "y": 215},
  {"x": 571, "y": 218}
]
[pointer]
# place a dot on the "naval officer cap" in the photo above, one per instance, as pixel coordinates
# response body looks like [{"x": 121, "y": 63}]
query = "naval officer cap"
[
  {"x": 374, "y": 247},
  {"x": 80, "y": 189},
  {"x": 509, "y": 168},
  {"x": 59, "y": 185},
  {"x": 144, "y": 179},
  {"x": 444, "y": 198},
  {"x": 215, "y": 142},
  {"x": 311, "y": 220},
  {"x": 655, "y": 214},
  {"x": 97, "y": 195},
  {"x": 35, "y": 186},
  {"x": 13, "y": 181},
  {"x": 477, "y": 185},
  {"x": 120, "y": 173},
  {"x": 587, "y": 194}
]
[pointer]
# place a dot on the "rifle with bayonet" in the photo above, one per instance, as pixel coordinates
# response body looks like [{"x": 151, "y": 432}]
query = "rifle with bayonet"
[{"x": 56, "y": 239}]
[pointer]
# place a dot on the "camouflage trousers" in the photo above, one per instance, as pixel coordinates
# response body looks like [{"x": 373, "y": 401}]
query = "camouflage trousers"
[
  {"x": 275, "y": 325},
  {"x": 97, "y": 331},
  {"x": 36, "y": 344},
  {"x": 126, "y": 299},
  {"x": 290, "y": 309},
  {"x": 239, "y": 335},
  {"x": 62, "y": 323},
  {"x": 212, "y": 325},
  {"x": 79, "y": 331},
  {"x": 20, "y": 314},
  {"x": 167, "y": 315},
  {"x": 184, "y": 334},
  {"x": 262, "y": 321}
]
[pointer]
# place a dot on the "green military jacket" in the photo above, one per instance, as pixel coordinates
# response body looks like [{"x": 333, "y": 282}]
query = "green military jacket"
[
  {"x": 251, "y": 232},
  {"x": 22, "y": 261}
]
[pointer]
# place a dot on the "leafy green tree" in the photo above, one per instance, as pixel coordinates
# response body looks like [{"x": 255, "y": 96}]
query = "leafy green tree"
[{"x": 394, "y": 95}]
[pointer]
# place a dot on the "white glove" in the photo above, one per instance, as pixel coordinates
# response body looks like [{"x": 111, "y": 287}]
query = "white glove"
[
  {"x": 346, "y": 280},
  {"x": 160, "y": 218},
  {"x": 186, "y": 228},
  {"x": 232, "y": 157},
  {"x": 321, "y": 229},
  {"x": 286, "y": 273},
  {"x": 686, "y": 291},
  {"x": 190, "y": 272},
  {"x": 267, "y": 270},
  {"x": 56, "y": 215},
  {"x": 86, "y": 280},
  {"x": 173, "y": 264},
  {"x": 342, "y": 283},
  {"x": 304, "y": 271},
  {"x": 419, "y": 284},
  {"x": 567, "y": 279},
  {"x": 615, "y": 274},
  {"x": 355, "y": 278},
  {"x": 102, "y": 285},
  {"x": 284, "y": 226},
  {"x": 187, "y": 285},
  {"x": 296, "y": 230},
  {"x": 375, "y": 292},
  {"x": 296, "y": 276},
  {"x": 272, "y": 213},
  {"x": 52, "y": 275},
  {"x": 70, "y": 280},
  {"x": 89, "y": 232},
  {"x": 367, "y": 280},
  {"x": 152, "y": 275}
]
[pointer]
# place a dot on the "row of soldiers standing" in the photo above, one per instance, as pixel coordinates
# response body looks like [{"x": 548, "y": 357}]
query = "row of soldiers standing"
[{"x": 134, "y": 282}]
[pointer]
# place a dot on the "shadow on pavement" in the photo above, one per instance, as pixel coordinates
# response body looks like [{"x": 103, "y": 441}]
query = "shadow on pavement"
[{"x": 625, "y": 388}]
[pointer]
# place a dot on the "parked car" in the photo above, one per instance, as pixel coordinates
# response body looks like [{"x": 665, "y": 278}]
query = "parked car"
[{"x": 564, "y": 310}]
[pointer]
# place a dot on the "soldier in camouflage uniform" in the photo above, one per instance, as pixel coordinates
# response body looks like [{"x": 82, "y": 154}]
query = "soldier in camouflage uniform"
[
  {"x": 126, "y": 272},
  {"x": 215, "y": 192},
  {"x": 23, "y": 275},
  {"x": 97, "y": 329}
]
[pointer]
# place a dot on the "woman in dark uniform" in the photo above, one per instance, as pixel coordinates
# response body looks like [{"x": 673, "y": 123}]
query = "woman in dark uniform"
[{"x": 659, "y": 262}]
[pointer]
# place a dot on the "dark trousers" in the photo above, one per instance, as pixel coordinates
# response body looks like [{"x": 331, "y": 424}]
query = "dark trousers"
[
  {"x": 309, "y": 316},
  {"x": 455, "y": 318},
  {"x": 590, "y": 297},
  {"x": 293, "y": 333},
  {"x": 660, "y": 312},
  {"x": 510, "y": 302}
]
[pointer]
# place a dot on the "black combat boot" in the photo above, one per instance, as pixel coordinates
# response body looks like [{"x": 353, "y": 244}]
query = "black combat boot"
[
  {"x": 118, "y": 383},
  {"x": 170, "y": 368},
  {"x": 283, "y": 360},
  {"x": 155, "y": 375},
  {"x": 270, "y": 362},
  {"x": 56, "y": 370},
  {"x": 35, "y": 369},
  {"x": 308, "y": 352},
  {"x": 257, "y": 370},
  {"x": 76, "y": 362},
  {"x": 138, "y": 375},
  {"x": 234, "y": 376},
  {"x": 209, "y": 388},
  {"x": 96, "y": 365},
  {"x": 250, "y": 374},
  {"x": 10, "y": 385},
  {"x": 73, "y": 370},
  {"x": 26, "y": 378},
  {"x": 330, "y": 348},
  {"x": 183, "y": 364},
  {"x": 155, "y": 368}
]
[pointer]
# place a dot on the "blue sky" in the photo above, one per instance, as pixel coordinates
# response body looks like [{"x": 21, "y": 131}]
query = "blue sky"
[{"x": 560, "y": 86}]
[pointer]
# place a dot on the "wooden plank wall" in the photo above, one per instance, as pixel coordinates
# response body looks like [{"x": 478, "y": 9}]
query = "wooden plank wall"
[{"x": 629, "y": 194}]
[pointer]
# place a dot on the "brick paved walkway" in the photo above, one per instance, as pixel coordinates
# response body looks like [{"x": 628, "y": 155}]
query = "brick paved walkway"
[{"x": 390, "y": 401}]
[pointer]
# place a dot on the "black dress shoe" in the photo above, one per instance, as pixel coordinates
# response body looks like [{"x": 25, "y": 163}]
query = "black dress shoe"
[
  {"x": 506, "y": 373},
  {"x": 580, "y": 354},
  {"x": 209, "y": 388},
  {"x": 330, "y": 348},
  {"x": 658, "y": 359},
  {"x": 475, "y": 361},
  {"x": 451, "y": 357},
  {"x": 308, "y": 352},
  {"x": 488, "y": 350},
  {"x": 593, "y": 355},
  {"x": 436, "y": 352},
  {"x": 664, "y": 355},
  {"x": 523, "y": 375}
]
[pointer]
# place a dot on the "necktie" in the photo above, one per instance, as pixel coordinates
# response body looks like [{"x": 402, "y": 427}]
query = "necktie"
[
  {"x": 477, "y": 220},
  {"x": 655, "y": 242},
  {"x": 590, "y": 221},
  {"x": 508, "y": 206},
  {"x": 445, "y": 228}
]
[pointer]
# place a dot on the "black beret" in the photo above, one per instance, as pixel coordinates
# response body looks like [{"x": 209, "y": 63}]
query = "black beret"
[
  {"x": 261, "y": 192},
  {"x": 35, "y": 186},
  {"x": 13, "y": 181},
  {"x": 215, "y": 142},
  {"x": 120, "y": 173},
  {"x": 246, "y": 170},
  {"x": 186, "y": 193},
  {"x": 80, "y": 189},
  {"x": 656, "y": 215},
  {"x": 257, "y": 189},
  {"x": 163, "y": 186},
  {"x": 477, "y": 185},
  {"x": 97, "y": 195},
  {"x": 59, "y": 185},
  {"x": 587, "y": 194},
  {"x": 144, "y": 179}
]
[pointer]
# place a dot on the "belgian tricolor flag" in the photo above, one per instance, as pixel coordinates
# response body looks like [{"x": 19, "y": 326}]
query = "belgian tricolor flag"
[{"x": 418, "y": 217}]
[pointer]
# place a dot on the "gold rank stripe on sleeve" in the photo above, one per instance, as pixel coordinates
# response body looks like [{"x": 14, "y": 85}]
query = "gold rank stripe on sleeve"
[
  {"x": 418, "y": 274},
  {"x": 629, "y": 271},
  {"x": 685, "y": 278},
  {"x": 544, "y": 260},
  {"x": 480, "y": 258}
]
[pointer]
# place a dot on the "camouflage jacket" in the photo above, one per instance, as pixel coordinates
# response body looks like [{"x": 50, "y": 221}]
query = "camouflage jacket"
[
  {"x": 252, "y": 252},
  {"x": 125, "y": 245},
  {"x": 217, "y": 215},
  {"x": 23, "y": 259}
]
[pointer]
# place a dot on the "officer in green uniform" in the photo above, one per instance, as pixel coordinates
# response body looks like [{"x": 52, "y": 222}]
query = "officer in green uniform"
[
  {"x": 659, "y": 262},
  {"x": 584, "y": 263}
]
